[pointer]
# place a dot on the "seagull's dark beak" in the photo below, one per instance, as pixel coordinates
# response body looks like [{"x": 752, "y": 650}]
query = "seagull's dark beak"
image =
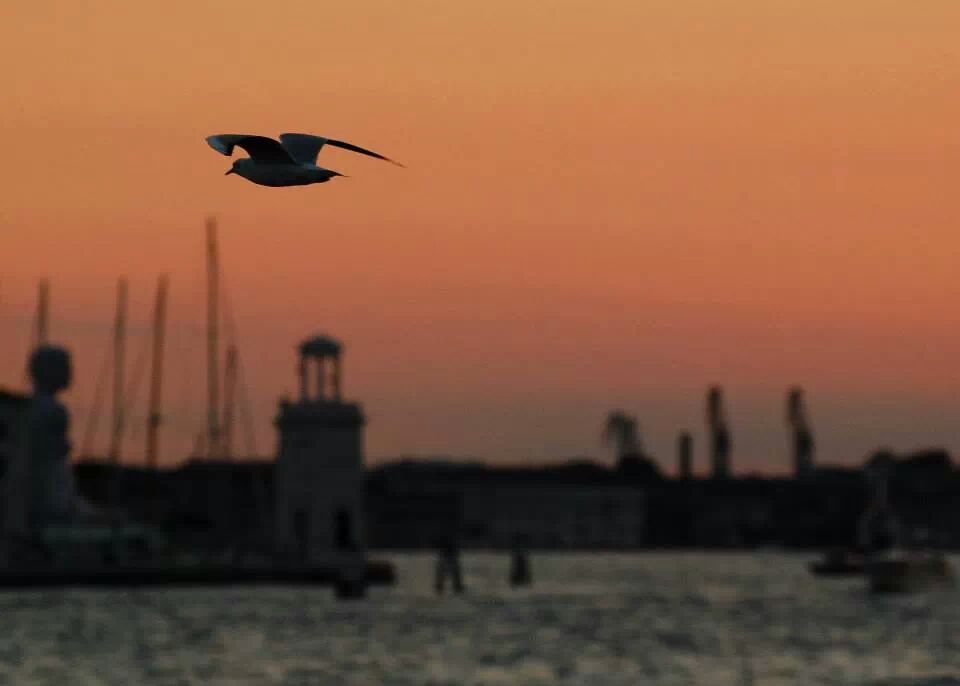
[{"x": 229, "y": 172}]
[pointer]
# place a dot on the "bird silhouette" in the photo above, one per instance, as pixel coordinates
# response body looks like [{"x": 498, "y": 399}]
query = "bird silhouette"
[{"x": 291, "y": 161}]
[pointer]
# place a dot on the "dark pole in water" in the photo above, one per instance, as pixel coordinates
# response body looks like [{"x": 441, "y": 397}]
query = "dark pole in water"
[
  {"x": 448, "y": 566},
  {"x": 520, "y": 574}
]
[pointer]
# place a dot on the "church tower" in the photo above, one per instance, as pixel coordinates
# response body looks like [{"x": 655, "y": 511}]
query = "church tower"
[{"x": 319, "y": 475}]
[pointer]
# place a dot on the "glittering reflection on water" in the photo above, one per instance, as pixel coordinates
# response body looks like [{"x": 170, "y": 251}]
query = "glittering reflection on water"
[{"x": 589, "y": 619}]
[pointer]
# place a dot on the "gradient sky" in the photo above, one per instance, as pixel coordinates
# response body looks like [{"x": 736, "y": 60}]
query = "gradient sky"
[{"x": 607, "y": 205}]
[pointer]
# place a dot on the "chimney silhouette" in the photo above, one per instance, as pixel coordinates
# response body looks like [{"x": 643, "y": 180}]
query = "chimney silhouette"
[
  {"x": 719, "y": 434},
  {"x": 685, "y": 456},
  {"x": 800, "y": 434}
]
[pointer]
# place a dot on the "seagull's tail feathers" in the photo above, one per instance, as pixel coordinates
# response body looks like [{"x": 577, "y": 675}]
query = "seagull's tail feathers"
[{"x": 304, "y": 147}]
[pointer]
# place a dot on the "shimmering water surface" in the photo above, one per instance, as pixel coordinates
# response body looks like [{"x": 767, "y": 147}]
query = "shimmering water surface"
[{"x": 589, "y": 619}]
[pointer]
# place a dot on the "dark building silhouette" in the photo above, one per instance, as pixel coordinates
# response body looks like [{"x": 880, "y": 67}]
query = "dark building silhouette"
[
  {"x": 720, "y": 442},
  {"x": 879, "y": 528},
  {"x": 576, "y": 505},
  {"x": 923, "y": 490},
  {"x": 685, "y": 456},
  {"x": 800, "y": 434},
  {"x": 13, "y": 428},
  {"x": 621, "y": 430},
  {"x": 318, "y": 476},
  {"x": 202, "y": 504}
]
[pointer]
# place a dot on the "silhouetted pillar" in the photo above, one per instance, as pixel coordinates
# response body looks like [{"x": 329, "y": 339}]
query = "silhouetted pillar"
[
  {"x": 685, "y": 455},
  {"x": 719, "y": 434},
  {"x": 302, "y": 373},
  {"x": 335, "y": 379},
  {"x": 321, "y": 378},
  {"x": 801, "y": 435}
]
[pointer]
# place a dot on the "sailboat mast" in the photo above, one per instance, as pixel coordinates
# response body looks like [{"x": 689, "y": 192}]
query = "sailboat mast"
[
  {"x": 156, "y": 371},
  {"x": 213, "y": 301},
  {"x": 119, "y": 344}
]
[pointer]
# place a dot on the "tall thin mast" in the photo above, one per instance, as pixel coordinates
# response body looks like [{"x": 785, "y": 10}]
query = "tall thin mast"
[
  {"x": 213, "y": 301},
  {"x": 156, "y": 371},
  {"x": 119, "y": 341},
  {"x": 229, "y": 398}
]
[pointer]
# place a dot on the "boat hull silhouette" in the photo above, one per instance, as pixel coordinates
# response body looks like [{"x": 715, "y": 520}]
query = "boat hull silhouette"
[
  {"x": 839, "y": 563},
  {"x": 904, "y": 574}
]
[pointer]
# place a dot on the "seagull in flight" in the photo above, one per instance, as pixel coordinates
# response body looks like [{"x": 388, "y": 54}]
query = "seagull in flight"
[{"x": 291, "y": 161}]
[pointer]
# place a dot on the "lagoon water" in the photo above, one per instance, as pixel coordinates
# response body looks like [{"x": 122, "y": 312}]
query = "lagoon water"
[{"x": 659, "y": 618}]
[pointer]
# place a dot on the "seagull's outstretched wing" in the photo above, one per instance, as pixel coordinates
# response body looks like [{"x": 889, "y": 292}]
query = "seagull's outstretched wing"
[
  {"x": 260, "y": 148},
  {"x": 304, "y": 148}
]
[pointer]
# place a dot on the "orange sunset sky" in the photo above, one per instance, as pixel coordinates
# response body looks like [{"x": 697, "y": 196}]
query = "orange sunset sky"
[{"x": 607, "y": 204}]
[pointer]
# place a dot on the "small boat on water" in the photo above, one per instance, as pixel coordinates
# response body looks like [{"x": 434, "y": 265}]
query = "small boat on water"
[
  {"x": 894, "y": 565},
  {"x": 906, "y": 571},
  {"x": 840, "y": 562},
  {"x": 883, "y": 554}
]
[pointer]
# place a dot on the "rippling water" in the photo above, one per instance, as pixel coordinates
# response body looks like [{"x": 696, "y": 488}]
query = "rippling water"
[{"x": 589, "y": 619}]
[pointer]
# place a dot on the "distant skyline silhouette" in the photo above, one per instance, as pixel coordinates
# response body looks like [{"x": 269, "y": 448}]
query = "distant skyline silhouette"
[
  {"x": 850, "y": 425},
  {"x": 613, "y": 209}
]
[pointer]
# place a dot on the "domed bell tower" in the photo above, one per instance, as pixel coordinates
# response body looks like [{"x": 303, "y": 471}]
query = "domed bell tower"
[{"x": 319, "y": 475}]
